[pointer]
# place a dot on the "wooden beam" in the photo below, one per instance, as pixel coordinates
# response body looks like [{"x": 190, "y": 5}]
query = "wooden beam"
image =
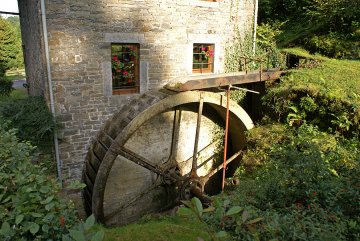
[
  {"x": 217, "y": 80},
  {"x": 10, "y": 13}
]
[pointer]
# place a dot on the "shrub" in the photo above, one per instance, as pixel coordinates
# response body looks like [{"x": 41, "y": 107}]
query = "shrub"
[
  {"x": 5, "y": 87},
  {"x": 239, "y": 55},
  {"x": 304, "y": 186},
  {"x": 32, "y": 119},
  {"x": 326, "y": 96},
  {"x": 30, "y": 206}
]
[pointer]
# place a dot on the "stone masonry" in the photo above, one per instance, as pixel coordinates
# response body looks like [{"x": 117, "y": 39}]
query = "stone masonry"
[{"x": 80, "y": 34}]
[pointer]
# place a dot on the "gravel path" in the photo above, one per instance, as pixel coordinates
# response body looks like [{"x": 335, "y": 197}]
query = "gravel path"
[{"x": 18, "y": 84}]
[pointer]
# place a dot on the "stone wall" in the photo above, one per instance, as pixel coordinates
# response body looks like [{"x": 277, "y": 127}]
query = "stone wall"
[{"x": 80, "y": 36}]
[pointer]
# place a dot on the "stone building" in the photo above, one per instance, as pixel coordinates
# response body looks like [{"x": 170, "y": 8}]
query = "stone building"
[
  {"x": 91, "y": 57},
  {"x": 165, "y": 37}
]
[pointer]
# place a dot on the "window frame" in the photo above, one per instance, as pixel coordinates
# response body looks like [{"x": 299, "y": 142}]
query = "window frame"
[
  {"x": 136, "y": 70},
  {"x": 208, "y": 47}
]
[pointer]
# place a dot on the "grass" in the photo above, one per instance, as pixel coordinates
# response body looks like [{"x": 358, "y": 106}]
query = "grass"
[
  {"x": 15, "y": 95},
  {"x": 172, "y": 228},
  {"x": 338, "y": 79},
  {"x": 303, "y": 53},
  {"x": 12, "y": 75}
]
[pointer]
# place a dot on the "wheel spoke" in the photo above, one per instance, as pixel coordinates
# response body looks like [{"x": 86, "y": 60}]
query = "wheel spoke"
[
  {"x": 210, "y": 146},
  {"x": 197, "y": 134},
  {"x": 175, "y": 137},
  {"x": 141, "y": 161},
  {"x": 221, "y": 166}
]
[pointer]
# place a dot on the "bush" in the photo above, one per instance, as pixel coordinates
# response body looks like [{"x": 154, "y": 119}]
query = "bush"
[
  {"x": 30, "y": 206},
  {"x": 295, "y": 184},
  {"x": 32, "y": 119},
  {"x": 326, "y": 96},
  {"x": 239, "y": 55},
  {"x": 334, "y": 45},
  {"x": 5, "y": 87}
]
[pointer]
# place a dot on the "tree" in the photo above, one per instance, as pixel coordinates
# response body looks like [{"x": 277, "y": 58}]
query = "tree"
[
  {"x": 329, "y": 27},
  {"x": 8, "y": 48},
  {"x": 18, "y": 62},
  {"x": 11, "y": 56}
]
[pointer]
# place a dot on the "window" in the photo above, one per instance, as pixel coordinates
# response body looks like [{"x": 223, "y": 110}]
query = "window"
[
  {"x": 203, "y": 58},
  {"x": 125, "y": 68}
]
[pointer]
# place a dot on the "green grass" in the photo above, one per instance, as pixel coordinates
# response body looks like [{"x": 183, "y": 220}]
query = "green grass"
[
  {"x": 338, "y": 79},
  {"x": 15, "y": 94},
  {"x": 303, "y": 53},
  {"x": 172, "y": 228},
  {"x": 326, "y": 94}
]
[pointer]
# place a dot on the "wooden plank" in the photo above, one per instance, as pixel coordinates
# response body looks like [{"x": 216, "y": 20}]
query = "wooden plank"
[
  {"x": 89, "y": 183},
  {"x": 217, "y": 80},
  {"x": 99, "y": 150},
  {"x": 105, "y": 139},
  {"x": 90, "y": 172},
  {"x": 94, "y": 160}
]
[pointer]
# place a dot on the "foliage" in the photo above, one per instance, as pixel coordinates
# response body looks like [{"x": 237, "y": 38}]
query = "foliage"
[
  {"x": 195, "y": 208},
  {"x": 32, "y": 118},
  {"x": 326, "y": 26},
  {"x": 10, "y": 46},
  {"x": 85, "y": 232},
  {"x": 18, "y": 61},
  {"x": 239, "y": 54},
  {"x": 30, "y": 206},
  {"x": 160, "y": 228},
  {"x": 236, "y": 51},
  {"x": 334, "y": 45},
  {"x": 16, "y": 94},
  {"x": 7, "y": 43},
  {"x": 295, "y": 184},
  {"x": 326, "y": 95},
  {"x": 5, "y": 87}
]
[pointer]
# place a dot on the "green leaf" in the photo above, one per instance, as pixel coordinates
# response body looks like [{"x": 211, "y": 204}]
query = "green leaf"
[
  {"x": 47, "y": 200},
  {"x": 198, "y": 205},
  {"x": 233, "y": 210},
  {"x": 90, "y": 221},
  {"x": 18, "y": 219},
  {"x": 5, "y": 228},
  {"x": 77, "y": 235},
  {"x": 99, "y": 236},
  {"x": 45, "y": 228},
  {"x": 6, "y": 199},
  {"x": 221, "y": 234},
  {"x": 49, "y": 206},
  {"x": 226, "y": 202},
  {"x": 256, "y": 220},
  {"x": 44, "y": 189},
  {"x": 183, "y": 211},
  {"x": 34, "y": 228},
  {"x": 36, "y": 215},
  {"x": 209, "y": 209},
  {"x": 187, "y": 203},
  {"x": 66, "y": 238}
]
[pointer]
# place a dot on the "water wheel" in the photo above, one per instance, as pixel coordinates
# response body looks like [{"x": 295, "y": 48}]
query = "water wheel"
[{"x": 159, "y": 149}]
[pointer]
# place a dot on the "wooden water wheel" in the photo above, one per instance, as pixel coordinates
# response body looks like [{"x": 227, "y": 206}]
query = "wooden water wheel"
[{"x": 157, "y": 150}]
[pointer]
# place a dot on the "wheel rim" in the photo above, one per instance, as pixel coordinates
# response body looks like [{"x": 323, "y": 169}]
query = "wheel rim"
[{"x": 148, "y": 171}]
